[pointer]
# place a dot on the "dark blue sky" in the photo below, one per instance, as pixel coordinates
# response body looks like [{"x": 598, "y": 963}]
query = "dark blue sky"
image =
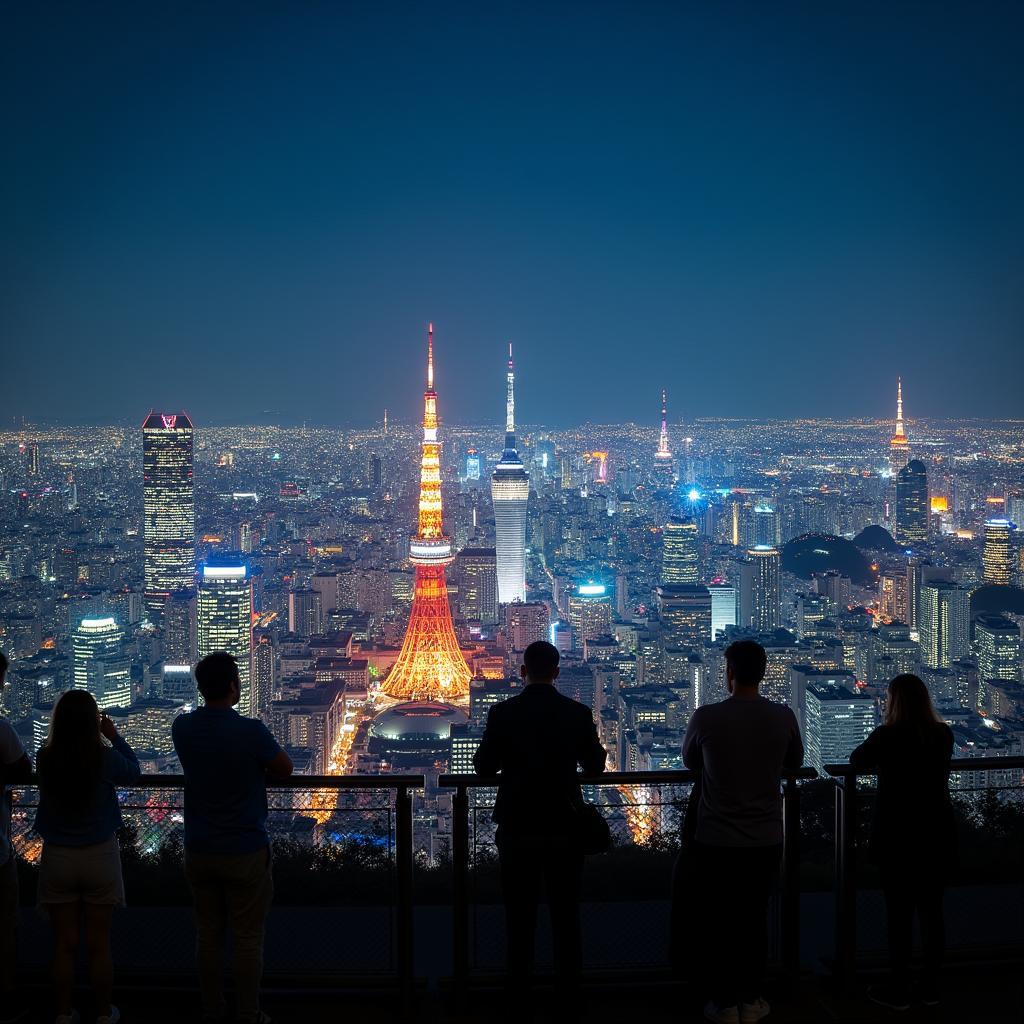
[{"x": 770, "y": 208}]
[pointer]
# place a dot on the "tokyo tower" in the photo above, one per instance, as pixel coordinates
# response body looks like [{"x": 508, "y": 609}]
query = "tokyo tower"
[{"x": 430, "y": 665}]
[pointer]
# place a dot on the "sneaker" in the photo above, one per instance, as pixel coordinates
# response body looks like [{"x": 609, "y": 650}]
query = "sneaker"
[
  {"x": 929, "y": 995},
  {"x": 889, "y": 996},
  {"x": 112, "y": 1018},
  {"x": 721, "y": 1014},
  {"x": 755, "y": 1011}
]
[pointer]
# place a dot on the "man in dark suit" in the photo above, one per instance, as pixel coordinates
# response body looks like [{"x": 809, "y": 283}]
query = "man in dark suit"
[{"x": 536, "y": 741}]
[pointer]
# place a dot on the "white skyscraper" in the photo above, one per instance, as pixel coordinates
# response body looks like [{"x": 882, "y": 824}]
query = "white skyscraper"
[
  {"x": 100, "y": 662},
  {"x": 510, "y": 489},
  {"x": 224, "y": 613}
]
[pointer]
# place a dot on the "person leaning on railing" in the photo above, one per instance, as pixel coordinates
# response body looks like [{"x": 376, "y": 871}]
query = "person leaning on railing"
[
  {"x": 80, "y": 880},
  {"x": 227, "y": 760},
  {"x": 913, "y": 836},
  {"x": 538, "y": 740},
  {"x": 739, "y": 747},
  {"x": 14, "y": 767}
]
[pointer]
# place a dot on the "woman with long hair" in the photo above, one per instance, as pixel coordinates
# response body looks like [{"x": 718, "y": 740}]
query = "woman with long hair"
[
  {"x": 913, "y": 838},
  {"x": 80, "y": 879}
]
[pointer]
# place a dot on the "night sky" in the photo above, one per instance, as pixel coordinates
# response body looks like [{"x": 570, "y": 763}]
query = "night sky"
[{"x": 251, "y": 212}]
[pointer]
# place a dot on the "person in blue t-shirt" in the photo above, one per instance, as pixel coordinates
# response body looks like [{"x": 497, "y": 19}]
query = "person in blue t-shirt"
[
  {"x": 80, "y": 880},
  {"x": 226, "y": 759}
]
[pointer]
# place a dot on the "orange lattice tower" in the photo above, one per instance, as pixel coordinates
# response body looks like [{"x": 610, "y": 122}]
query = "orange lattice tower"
[{"x": 430, "y": 665}]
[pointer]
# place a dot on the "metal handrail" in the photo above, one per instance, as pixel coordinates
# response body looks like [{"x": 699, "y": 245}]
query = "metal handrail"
[
  {"x": 462, "y": 784},
  {"x": 403, "y": 785},
  {"x": 845, "y": 777}
]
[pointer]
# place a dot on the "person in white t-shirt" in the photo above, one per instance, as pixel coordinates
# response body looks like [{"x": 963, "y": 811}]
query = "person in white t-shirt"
[{"x": 14, "y": 767}]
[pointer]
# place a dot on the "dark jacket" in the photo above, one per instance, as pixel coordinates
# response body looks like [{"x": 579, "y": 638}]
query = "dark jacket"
[
  {"x": 536, "y": 740},
  {"x": 913, "y": 820}
]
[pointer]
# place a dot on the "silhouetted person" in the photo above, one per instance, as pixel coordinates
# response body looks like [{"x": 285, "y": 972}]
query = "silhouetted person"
[
  {"x": 80, "y": 880},
  {"x": 15, "y": 767},
  {"x": 226, "y": 759},
  {"x": 741, "y": 746},
  {"x": 536, "y": 741},
  {"x": 913, "y": 838}
]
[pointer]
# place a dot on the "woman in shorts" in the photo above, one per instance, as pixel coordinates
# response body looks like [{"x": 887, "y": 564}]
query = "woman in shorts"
[{"x": 78, "y": 818}]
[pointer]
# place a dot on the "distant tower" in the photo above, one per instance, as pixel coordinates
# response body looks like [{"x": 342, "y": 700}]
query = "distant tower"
[
  {"x": 912, "y": 503},
  {"x": 169, "y": 518},
  {"x": 510, "y": 489},
  {"x": 765, "y": 597},
  {"x": 663, "y": 469},
  {"x": 224, "y": 614},
  {"x": 430, "y": 665},
  {"x": 899, "y": 446}
]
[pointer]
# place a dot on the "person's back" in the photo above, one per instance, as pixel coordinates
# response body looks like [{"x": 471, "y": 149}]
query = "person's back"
[
  {"x": 538, "y": 740},
  {"x": 534, "y": 743},
  {"x": 226, "y": 759},
  {"x": 741, "y": 747}
]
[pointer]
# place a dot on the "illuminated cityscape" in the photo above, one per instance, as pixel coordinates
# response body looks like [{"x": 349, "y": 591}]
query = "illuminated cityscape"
[{"x": 226, "y": 230}]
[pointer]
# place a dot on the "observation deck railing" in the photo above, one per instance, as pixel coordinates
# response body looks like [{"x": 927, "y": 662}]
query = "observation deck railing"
[
  {"x": 644, "y": 811},
  {"x": 338, "y": 842},
  {"x": 994, "y": 859}
]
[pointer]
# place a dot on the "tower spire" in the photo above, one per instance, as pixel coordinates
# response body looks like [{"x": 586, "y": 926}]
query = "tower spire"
[
  {"x": 510, "y": 404},
  {"x": 663, "y": 456},
  {"x": 430, "y": 665},
  {"x": 899, "y": 408}
]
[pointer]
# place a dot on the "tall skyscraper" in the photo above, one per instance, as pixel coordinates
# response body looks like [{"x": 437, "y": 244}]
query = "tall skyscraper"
[
  {"x": 477, "y": 574},
  {"x": 430, "y": 665},
  {"x": 179, "y": 628},
  {"x": 997, "y": 555},
  {"x": 169, "y": 519},
  {"x": 664, "y": 471},
  {"x": 510, "y": 490},
  {"x": 723, "y": 607},
  {"x": 224, "y": 617},
  {"x": 374, "y": 472},
  {"x": 765, "y": 595},
  {"x": 590, "y": 612},
  {"x": 943, "y": 623},
  {"x": 100, "y": 664},
  {"x": 997, "y": 639},
  {"x": 525, "y": 623},
  {"x": 899, "y": 446},
  {"x": 836, "y": 720},
  {"x": 679, "y": 552},
  {"x": 911, "y": 525}
]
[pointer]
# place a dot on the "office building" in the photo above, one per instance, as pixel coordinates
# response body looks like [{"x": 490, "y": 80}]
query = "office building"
[
  {"x": 765, "y": 603},
  {"x": 526, "y": 623},
  {"x": 178, "y": 644},
  {"x": 510, "y": 490},
  {"x": 680, "y": 552},
  {"x": 836, "y": 720},
  {"x": 305, "y": 612},
  {"x": 590, "y": 612},
  {"x": 224, "y": 618},
  {"x": 169, "y": 544},
  {"x": 997, "y": 641},
  {"x": 685, "y": 613},
  {"x": 723, "y": 607},
  {"x": 943, "y": 623},
  {"x": 998, "y": 554},
  {"x": 100, "y": 664},
  {"x": 911, "y": 523},
  {"x": 476, "y": 573}
]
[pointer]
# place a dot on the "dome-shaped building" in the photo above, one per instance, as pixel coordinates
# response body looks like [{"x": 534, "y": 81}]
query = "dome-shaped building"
[{"x": 415, "y": 732}]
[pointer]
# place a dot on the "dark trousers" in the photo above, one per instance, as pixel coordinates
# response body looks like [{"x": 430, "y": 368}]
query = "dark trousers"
[
  {"x": 728, "y": 898},
  {"x": 532, "y": 867},
  {"x": 909, "y": 890}
]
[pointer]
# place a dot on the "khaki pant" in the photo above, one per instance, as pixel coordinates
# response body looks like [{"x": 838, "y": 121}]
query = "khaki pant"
[
  {"x": 230, "y": 891},
  {"x": 8, "y": 920}
]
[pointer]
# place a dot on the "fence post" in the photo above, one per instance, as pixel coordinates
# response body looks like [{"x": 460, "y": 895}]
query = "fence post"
[
  {"x": 460, "y": 893},
  {"x": 846, "y": 884},
  {"x": 404, "y": 866},
  {"x": 791, "y": 880}
]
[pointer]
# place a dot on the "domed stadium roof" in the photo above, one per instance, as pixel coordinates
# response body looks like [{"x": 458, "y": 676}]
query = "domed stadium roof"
[
  {"x": 418, "y": 720},
  {"x": 822, "y": 552}
]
